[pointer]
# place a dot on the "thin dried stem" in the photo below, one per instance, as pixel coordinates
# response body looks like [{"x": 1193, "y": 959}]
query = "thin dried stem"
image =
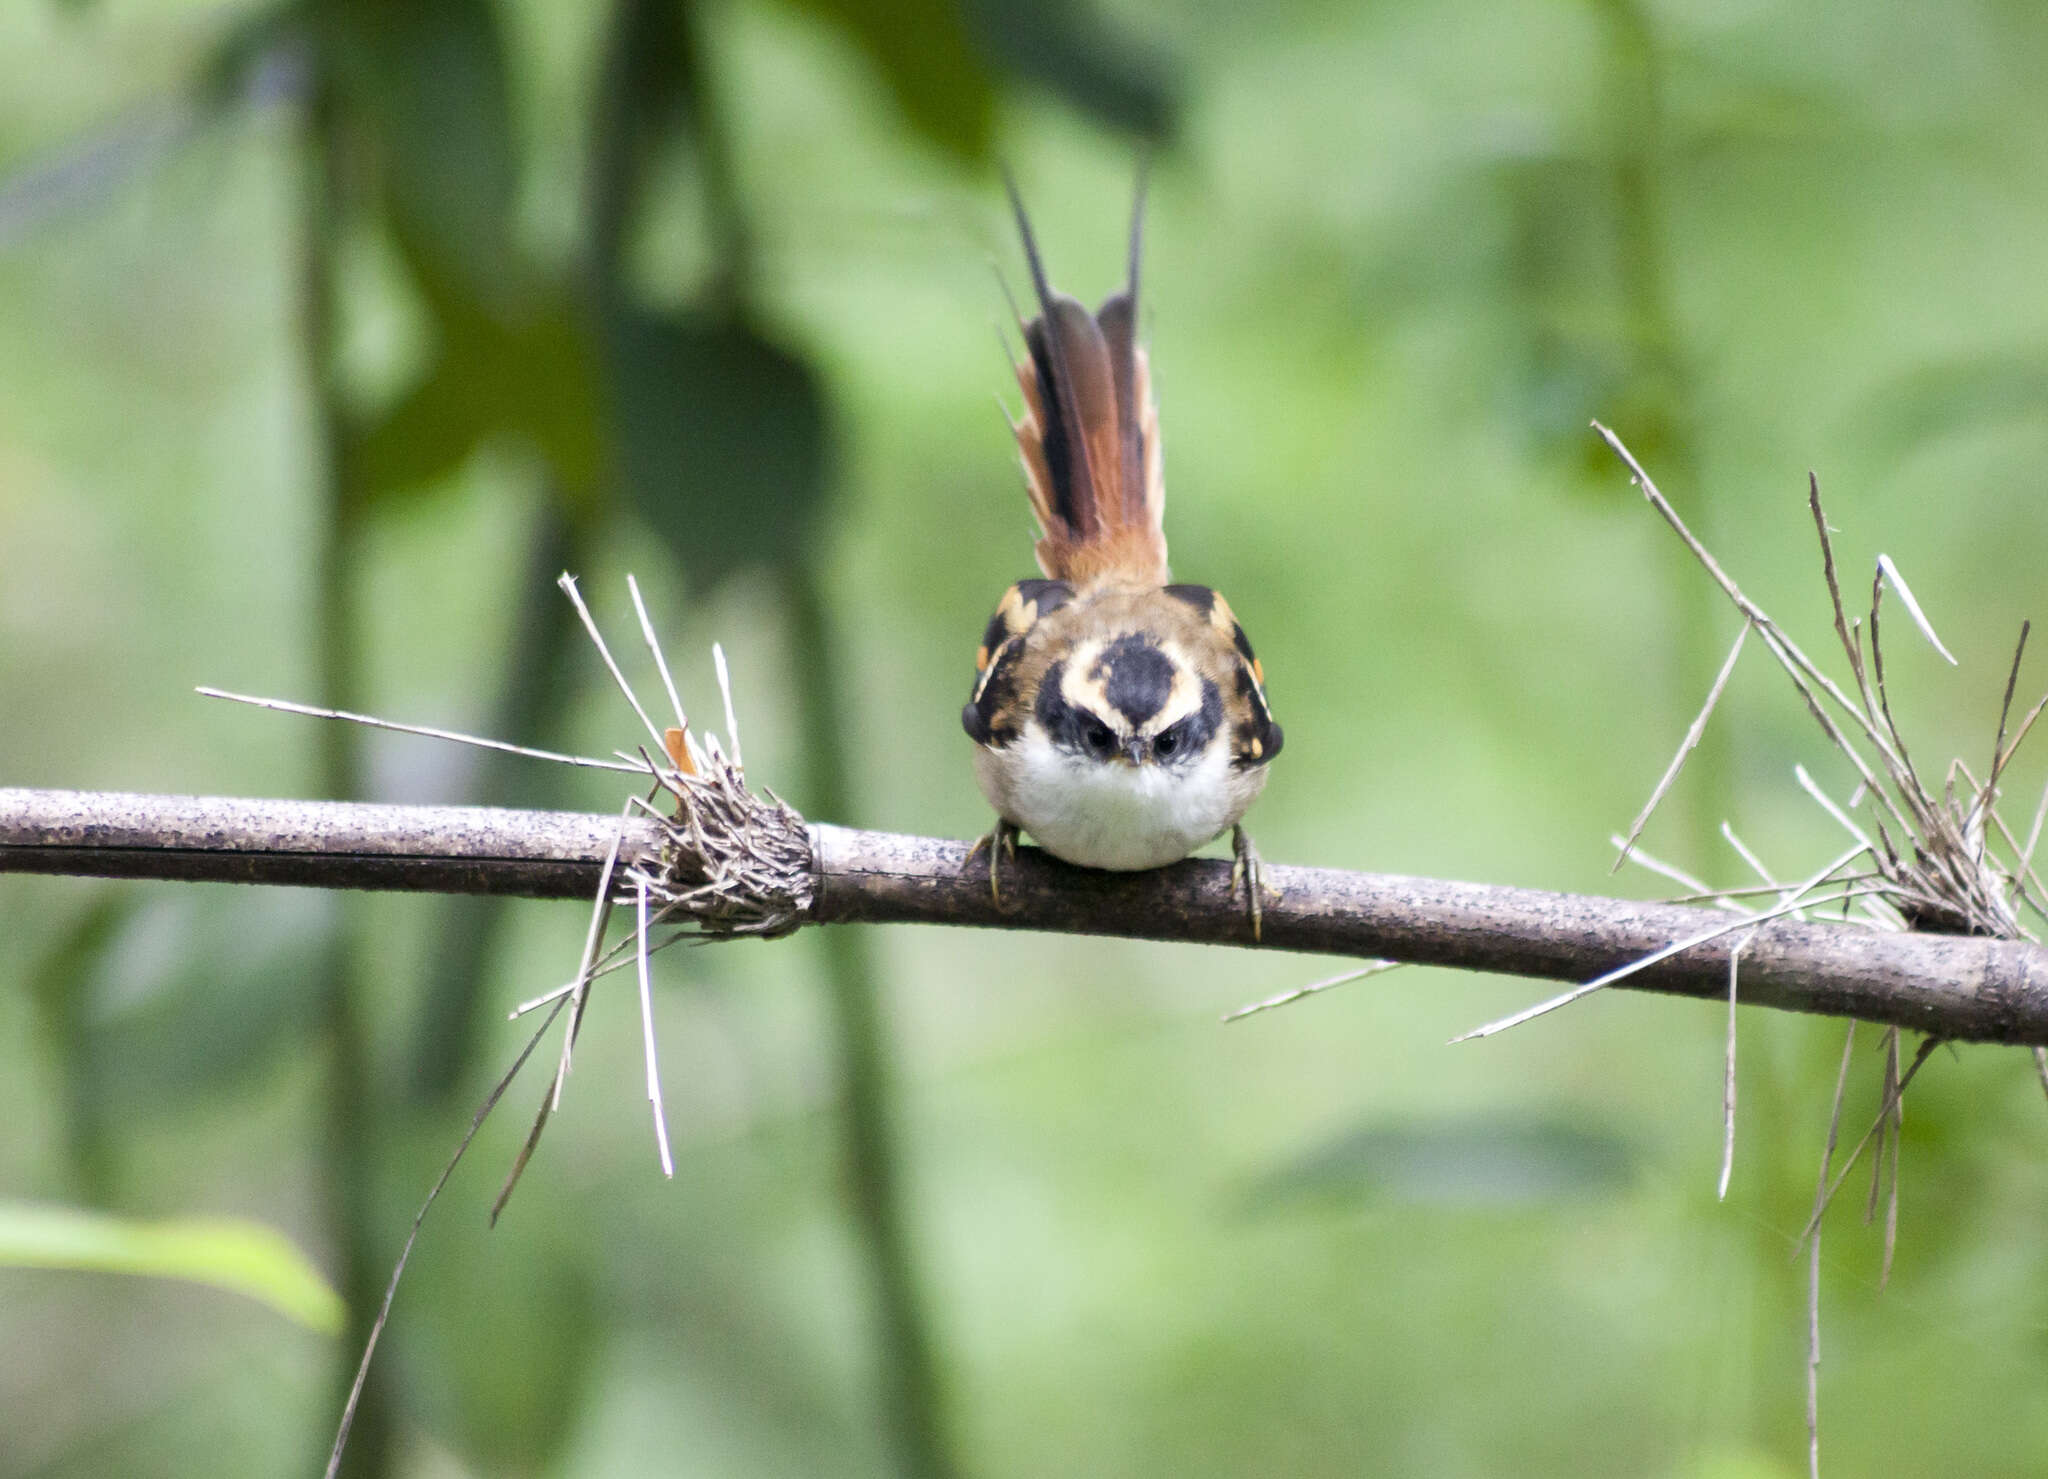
[
  {"x": 1728, "y": 1079},
  {"x": 1999, "y": 753},
  {"x": 1907, "y": 777},
  {"x": 1663, "y": 869},
  {"x": 285, "y": 706},
  {"x": 668, "y": 1163},
  {"x": 660, "y": 661},
  {"x": 1791, "y": 655},
  {"x": 1898, "y": 583},
  {"x": 568, "y": 584},
  {"x": 2019, "y": 734},
  {"x": 1756, "y": 864},
  {"x": 476, "y": 1122},
  {"x": 1820, "y": 1196},
  {"x": 600, "y": 915},
  {"x": 732, "y": 718},
  {"x": 1812, "y": 788},
  {"x": 1898, "y": 1100},
  {"x": 1892, "y": 1098},
  {"x": 1685, "y": 748},
  {"x": 1370, "y": 968},
  {"x": 1677, "y": 947},
  {"x": 1843, "y": 628}
]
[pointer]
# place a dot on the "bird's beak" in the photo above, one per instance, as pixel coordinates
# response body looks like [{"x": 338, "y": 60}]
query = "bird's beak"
[{"x": 1134, "y": 749}]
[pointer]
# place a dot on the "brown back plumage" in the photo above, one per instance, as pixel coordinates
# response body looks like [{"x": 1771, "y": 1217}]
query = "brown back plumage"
[{"x": 1090, "y": 433}]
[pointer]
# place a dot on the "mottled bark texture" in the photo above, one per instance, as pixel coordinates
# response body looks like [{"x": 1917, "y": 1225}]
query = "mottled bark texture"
[{"x": 1957, "y": 987}]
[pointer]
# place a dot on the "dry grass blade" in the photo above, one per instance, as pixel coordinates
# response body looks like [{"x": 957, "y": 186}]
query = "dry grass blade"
[
  {"x": 2025, "y": 884},
  {"x": 534, "y": 1003},
  {"x": 660, "y": 661},
  {"x": 1999, "y": 753},
  {"x": 1843, "y": 627},
  {"x": 355, "y": 1391},
  {"x": 1370, "y": 968},
  {"x": 1898, "y": 583},
  {"x": 600, "y": 915},
  {"x": 733, "y": 863},
  {"x": 533, "y": 1134},
  {"x": 1756, "y": 864},
  {"x": 1728, "y": 1078},
  {"x": 1816, "y": 689},
  {"x": 668, "y": 1163},
  {"x": 568, "y": 584},
  {"x": 732, "y": 718},
  {"x": 1886, "y": 1124},
  {"x": 1685, "y": 748},
  {"x": 1934, "y": 862},
  {"x": 1695, "y": 891},
  {"x": 1891, "y": 1210},
  {"x": 1908, "y": 777},
  {"x": 574, "y": 999},
  {"x": 286, "y": 706},
  {"x": 2040, "y": 816},
  {"x": 1892, "y": 1099},
  {"x": 1820, "y": 1198},
  {"x": 1676, "y": 947},
  {"x": 1812, "y": 788},
  {"x": 2026, "y": 724},
  {"x": 1812, "y": 681}
]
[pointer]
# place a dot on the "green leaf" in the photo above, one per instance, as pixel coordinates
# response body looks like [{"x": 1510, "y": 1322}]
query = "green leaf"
[
  {"x": 929, "y": 62},
  {"x": 427, "y": 81},
  {"x": 226, "y": 1252},
  {"x": 532, "y": 379},
  {"x": 1065, "y": 47},
  {"x": 427, "y": 84},
  {"x": 722, "y": 439}
]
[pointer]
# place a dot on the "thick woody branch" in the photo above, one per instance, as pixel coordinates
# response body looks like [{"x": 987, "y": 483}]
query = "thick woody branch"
[{"x": 1951, "y": 986}]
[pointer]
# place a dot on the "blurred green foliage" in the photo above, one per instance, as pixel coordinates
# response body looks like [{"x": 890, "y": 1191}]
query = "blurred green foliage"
[
  {"x": 700, "y": 291},
  {"x": 231, "y": 1253}
]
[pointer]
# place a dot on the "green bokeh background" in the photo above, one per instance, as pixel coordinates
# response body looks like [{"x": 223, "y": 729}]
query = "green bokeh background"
[{"x": 1398, "y": 255}]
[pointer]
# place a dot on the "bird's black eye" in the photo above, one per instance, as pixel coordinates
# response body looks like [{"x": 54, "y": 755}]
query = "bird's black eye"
[
  {"x": 1098, "y": 736},
  {"x": 1166, "y": 741}
]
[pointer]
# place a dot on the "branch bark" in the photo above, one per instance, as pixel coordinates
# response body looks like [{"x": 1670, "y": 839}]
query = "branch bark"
[{"x": 1951, "y": 986}]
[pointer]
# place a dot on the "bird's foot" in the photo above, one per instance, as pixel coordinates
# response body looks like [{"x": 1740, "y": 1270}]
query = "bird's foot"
[
  {"x": 998, "y": 842},
  {"x": 1247, "y": 869}
]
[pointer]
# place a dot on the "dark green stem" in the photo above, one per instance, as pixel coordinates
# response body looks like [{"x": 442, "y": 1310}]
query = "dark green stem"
[
  {"x": 1663, "y": 392},
  {"x": 528, "y": 709},
  {"x": 1708, "y": 791},
  {"x": 912, "y": 1403},
  {"x": 646, "y": 35},
  {"x": 347, "y": 1147}
]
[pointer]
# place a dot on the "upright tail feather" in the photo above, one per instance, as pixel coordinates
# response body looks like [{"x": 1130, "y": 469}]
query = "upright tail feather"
[{"x": 1090, "y": 433}]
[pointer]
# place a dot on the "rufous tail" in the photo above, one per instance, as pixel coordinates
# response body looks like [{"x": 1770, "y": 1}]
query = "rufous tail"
[{"x": 1090, "y": 433}]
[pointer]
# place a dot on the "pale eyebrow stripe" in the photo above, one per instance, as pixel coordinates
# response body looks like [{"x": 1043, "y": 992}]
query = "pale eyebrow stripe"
[{"x": 1185, "y": 696}]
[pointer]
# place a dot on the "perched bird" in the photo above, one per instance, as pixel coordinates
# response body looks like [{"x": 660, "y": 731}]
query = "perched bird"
[{"x": 1117, "y": 717}]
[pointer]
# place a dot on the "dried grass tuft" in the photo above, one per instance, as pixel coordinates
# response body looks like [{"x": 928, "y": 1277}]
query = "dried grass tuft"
[
  {"x": 731, "y": 864},
  {"x": 1922, "y": 859}
]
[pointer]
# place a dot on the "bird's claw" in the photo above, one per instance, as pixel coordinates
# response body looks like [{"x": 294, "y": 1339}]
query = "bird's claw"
[
  {"x": 1247, "y": 869},
  {"x": 1000, "y": 840}
]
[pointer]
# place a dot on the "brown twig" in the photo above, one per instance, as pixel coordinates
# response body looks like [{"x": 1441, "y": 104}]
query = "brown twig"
[{"x": 1955, "y": 987}]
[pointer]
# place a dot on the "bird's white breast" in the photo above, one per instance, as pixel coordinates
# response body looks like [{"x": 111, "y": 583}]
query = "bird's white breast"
[{"x": 1107, "y": 814}]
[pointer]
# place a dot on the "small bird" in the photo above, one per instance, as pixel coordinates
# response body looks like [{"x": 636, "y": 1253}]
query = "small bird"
[{"x": 1117, "y": 717}]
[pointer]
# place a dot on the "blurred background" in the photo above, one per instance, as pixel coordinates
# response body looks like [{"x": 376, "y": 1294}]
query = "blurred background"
[{"x": 330, "y": 333}]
